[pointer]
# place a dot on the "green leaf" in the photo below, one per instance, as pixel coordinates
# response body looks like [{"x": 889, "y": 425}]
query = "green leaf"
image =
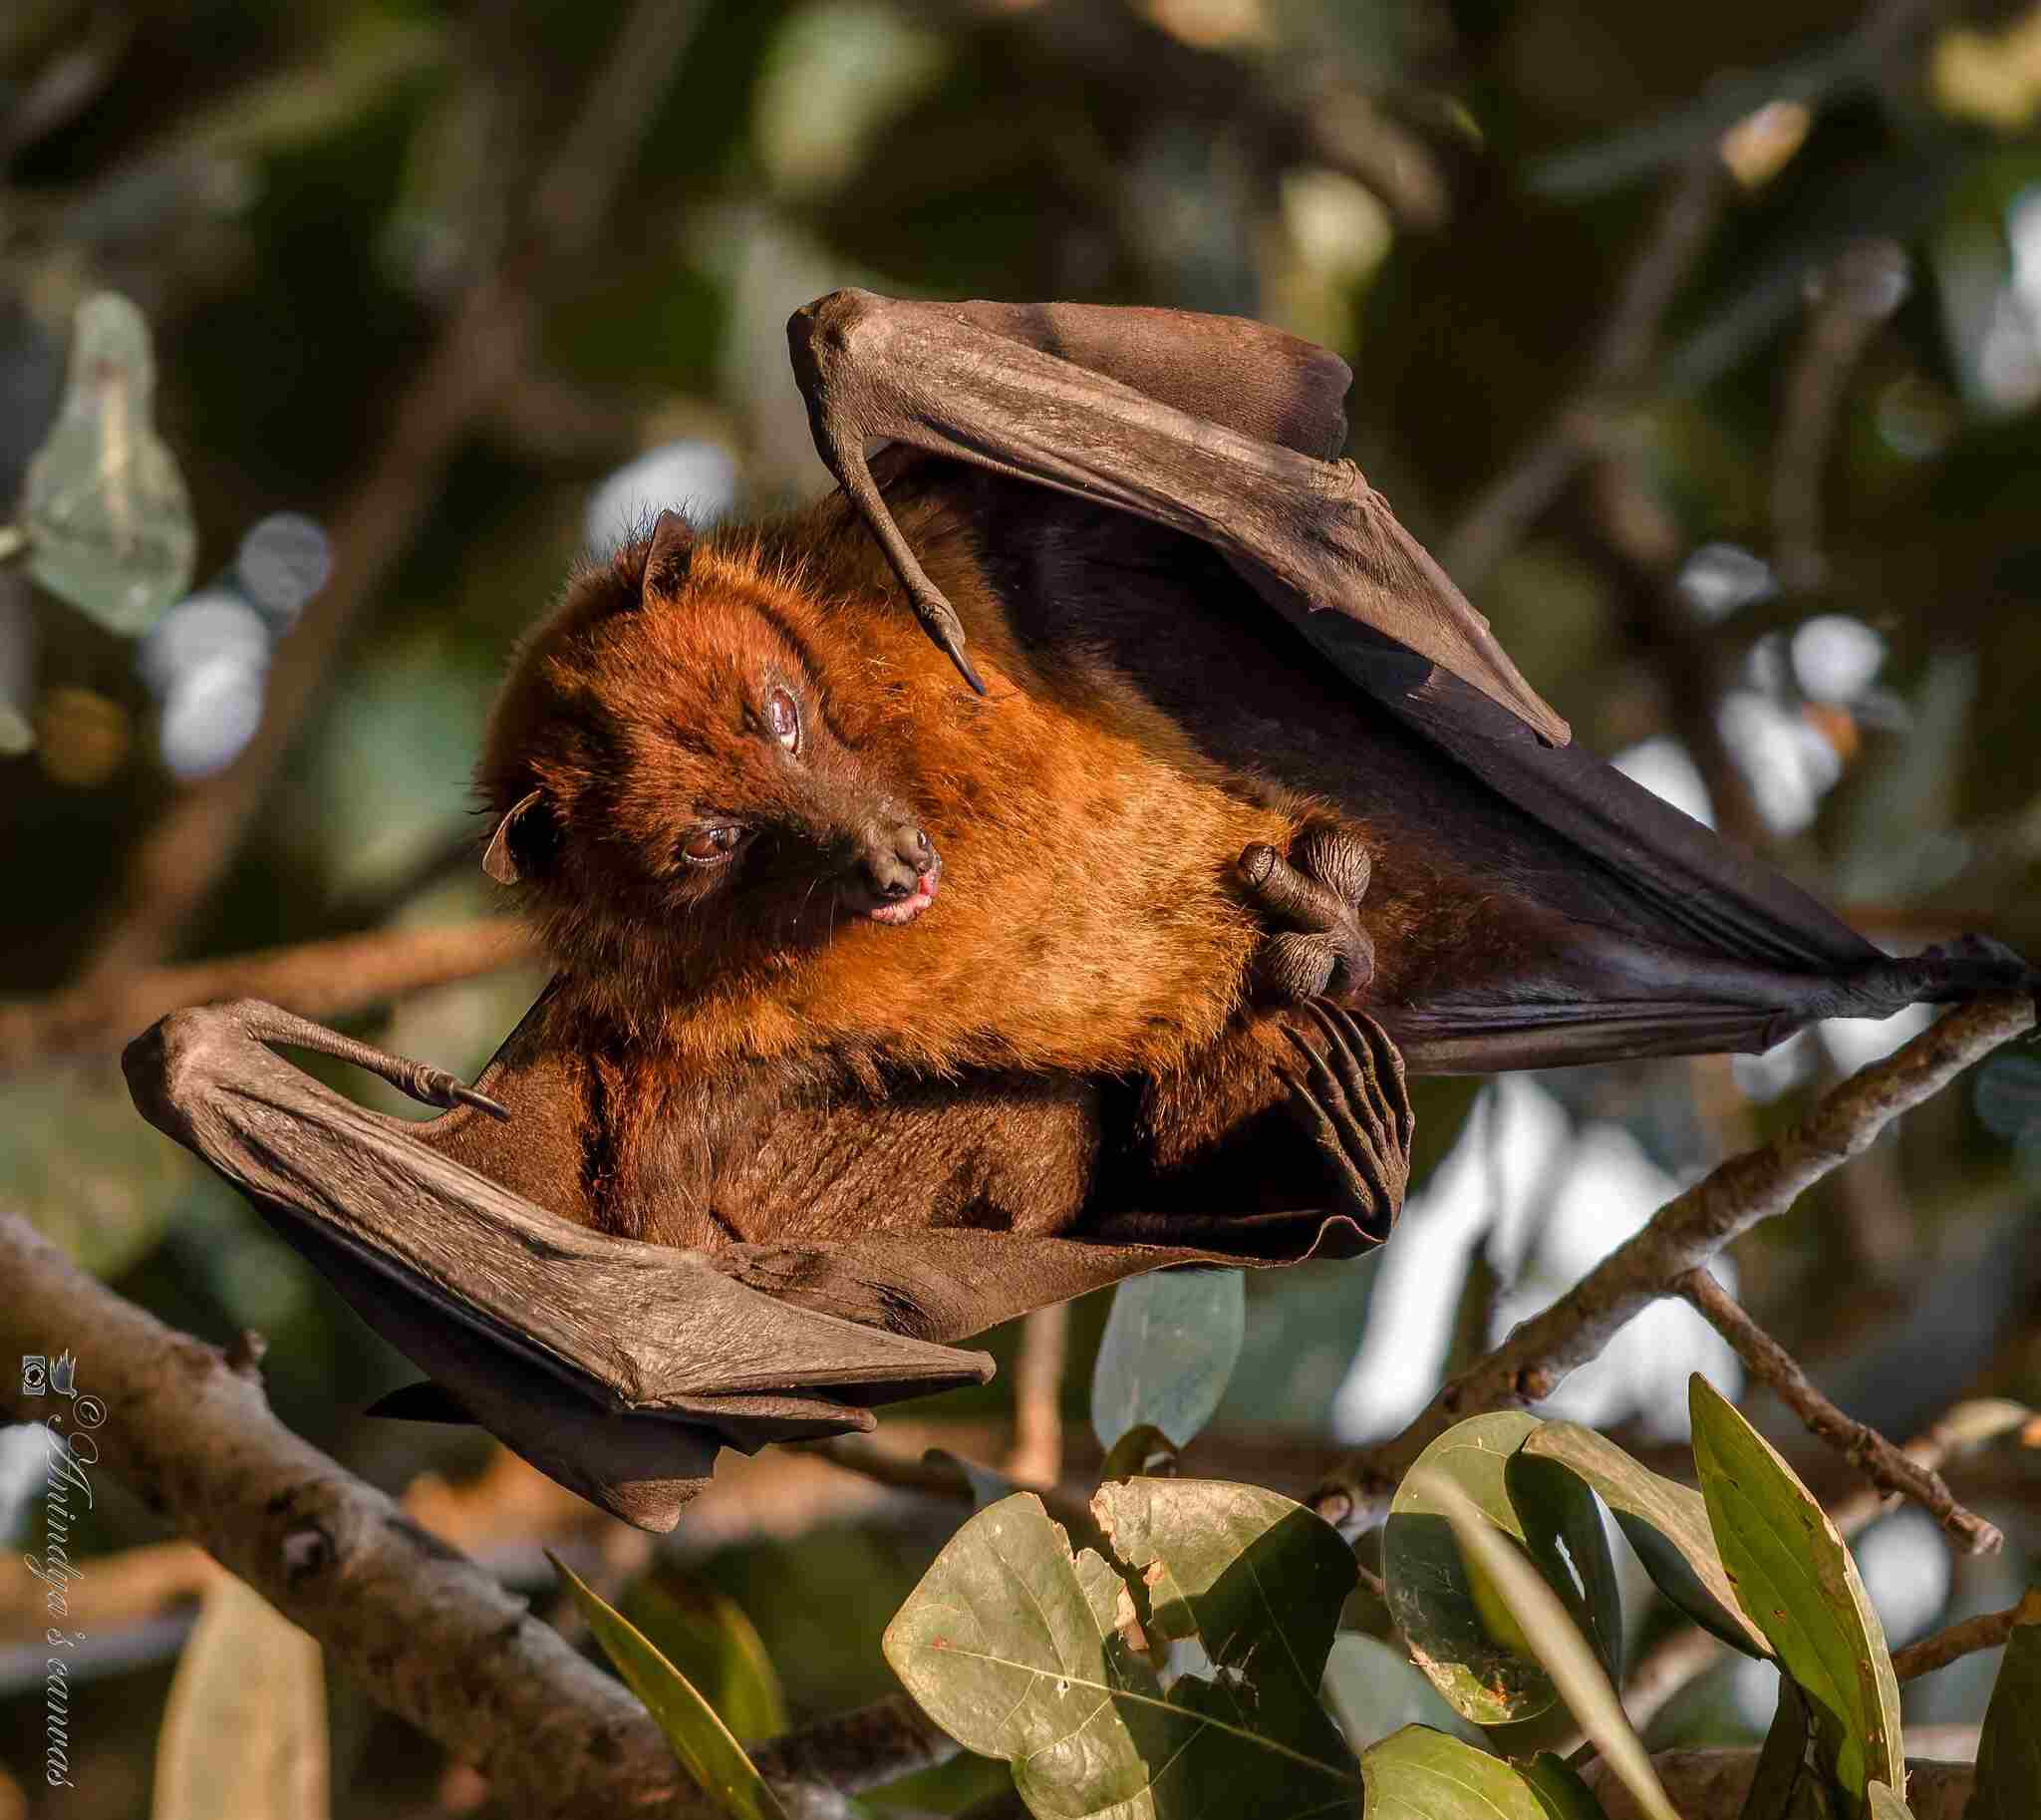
[
  {"x": 1375, "y": 1690},
  {"x": 1798, "y": 1585},
  {"x": 1424, "y": 1775},
  {"x": 244, "y": 1729},
  {"x": 700, "y": 1739},
  {"x": 109, "y": 524},
  {"x": 1170, "y": 1344},
  {"x": 1562, "y": 1529},
  {"x": 1884, "y": 1806},
  {"x": 1022, "y": 1650},
  {"x": 1787, "y": 1784},
  {"x": 1460, "y": 1630},
  {"x": 1559, "y": 1789},
  {"x": 2009, "y": 1749},
  {"x": 710, "y": 1643},
  {"x": 1664, "y": 1522},
  {"x": 1567, "y": 1656}
]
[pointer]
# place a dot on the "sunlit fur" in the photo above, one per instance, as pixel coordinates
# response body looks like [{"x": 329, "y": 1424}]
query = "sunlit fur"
[{"x": 1087, "y": 918}]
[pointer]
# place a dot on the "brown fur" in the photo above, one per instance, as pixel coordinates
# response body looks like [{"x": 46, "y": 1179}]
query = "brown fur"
[
  {"x": 1076, "y": 829},
  {"x": 1088, "y": 927}
]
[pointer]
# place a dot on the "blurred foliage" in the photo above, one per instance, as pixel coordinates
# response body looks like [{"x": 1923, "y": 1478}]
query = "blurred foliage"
[{"x": 302, "y": 201}]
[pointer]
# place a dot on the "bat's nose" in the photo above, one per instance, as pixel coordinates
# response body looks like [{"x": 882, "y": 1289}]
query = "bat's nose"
[{"x": 896, "y": 860}]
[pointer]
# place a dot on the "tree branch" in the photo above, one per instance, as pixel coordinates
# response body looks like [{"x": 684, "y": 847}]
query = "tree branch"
[
  {"x": 1682, "y": 1236},
  {"x": 1676, "y": 1659},
  {"x": 1884, "y": 1465},
  {"x": 424, "y": 1631},
  {"x": 1966, "y": 1637},
  {"x": 315, "y": 980}
]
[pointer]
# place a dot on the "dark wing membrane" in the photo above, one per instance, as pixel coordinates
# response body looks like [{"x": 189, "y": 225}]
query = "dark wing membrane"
[
  {"x": 937, "y": 378},
  {"x": 1611, "y": 924},
  {"x": 615, "y": 1367}
]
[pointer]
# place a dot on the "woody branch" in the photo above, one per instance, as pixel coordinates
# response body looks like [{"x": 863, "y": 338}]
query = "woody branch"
[
  {"x": 1681, "y": 1237},
  {"x": 1883, "y": 1465},
  {"x": 330, "y": 979},
  {"x": 424, "y": 1631}
]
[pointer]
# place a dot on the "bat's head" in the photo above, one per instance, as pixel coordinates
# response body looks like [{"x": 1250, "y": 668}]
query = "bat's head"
[{"x": 670, "y": 781}]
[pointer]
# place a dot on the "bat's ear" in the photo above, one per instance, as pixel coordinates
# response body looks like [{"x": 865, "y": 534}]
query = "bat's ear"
[
  {"x": 518, "y": 840},
  {"x": 667, "y": 556}
]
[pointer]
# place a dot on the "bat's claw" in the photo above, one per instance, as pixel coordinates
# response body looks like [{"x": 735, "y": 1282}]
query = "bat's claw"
[
  {"x": 436, "y": 1087},
  {"x": 1316, "y": 896},
  {"x": 471, "y": 1096},
  {"x": 1348, "y": 1094},
  {"x": 940, "y": 621}
]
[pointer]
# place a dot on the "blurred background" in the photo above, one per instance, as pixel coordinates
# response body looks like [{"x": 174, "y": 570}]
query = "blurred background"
[{"x": 1702, "y": 343}]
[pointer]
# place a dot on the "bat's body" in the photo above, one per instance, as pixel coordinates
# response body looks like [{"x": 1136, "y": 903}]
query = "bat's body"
[{"x": 924, "y": 1003}]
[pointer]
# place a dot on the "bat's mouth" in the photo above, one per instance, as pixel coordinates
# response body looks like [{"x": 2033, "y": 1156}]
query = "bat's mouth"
[{"x": 905, "y": 909}]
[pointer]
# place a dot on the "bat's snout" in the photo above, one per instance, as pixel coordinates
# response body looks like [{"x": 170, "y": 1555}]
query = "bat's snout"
[{"x": 894, "y": 875}]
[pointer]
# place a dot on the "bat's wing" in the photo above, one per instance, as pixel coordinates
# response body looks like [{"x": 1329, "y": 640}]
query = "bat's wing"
[
  {"x": 1106, "y": 405},
  {"x": 1618, "y": 926},
  {"x": 615, "y": 1367}
]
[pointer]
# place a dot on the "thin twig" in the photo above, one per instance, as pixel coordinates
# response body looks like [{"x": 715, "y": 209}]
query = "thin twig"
[
  {"x": 1684, "y": 1652},
  {"x": 1966, "y": 1637},
  {"x": 1868, "y": 1450},
  {"x": 1037, "y": 1455},
  {"x": 417, "y": 1625},
  {"x": 315, "y": 979},
  {"x": 1683, "y": 1235}
]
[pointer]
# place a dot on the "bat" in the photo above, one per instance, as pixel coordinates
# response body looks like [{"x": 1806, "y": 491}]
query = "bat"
[{"x": 911, "y": 981}]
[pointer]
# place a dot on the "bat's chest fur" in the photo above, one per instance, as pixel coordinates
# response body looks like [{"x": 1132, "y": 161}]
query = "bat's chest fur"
[{"x": 1089, "y": 944}]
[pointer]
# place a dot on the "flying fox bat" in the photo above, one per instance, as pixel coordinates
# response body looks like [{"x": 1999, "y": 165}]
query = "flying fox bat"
[{"x": 907, "y": 982}]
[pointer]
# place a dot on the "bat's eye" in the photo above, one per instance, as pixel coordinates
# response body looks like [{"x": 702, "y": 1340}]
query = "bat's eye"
[
  {"x": 712, "y": 846},
  {"x": 783, "y": 719}
]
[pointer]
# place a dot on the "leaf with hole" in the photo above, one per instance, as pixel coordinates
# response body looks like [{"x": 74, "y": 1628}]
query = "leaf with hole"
[
  {"x": 1417, "y": 1774},
  {"x": 1460, "y": 1630},
  {"x": 1022, "y": 1650},
  {"x": 1664, "y": 1522},
  {"x": 1375, "y": 1690},
  {"x": 1567, "y": 1657},
  {"x": 1798, "y": 1585},
  {"x": 700, "y": 1739},
  {"x": 2009, "y": 1748},
  {"x": 1170, "y": 1344},
  {"x": 107, "y": 520}
]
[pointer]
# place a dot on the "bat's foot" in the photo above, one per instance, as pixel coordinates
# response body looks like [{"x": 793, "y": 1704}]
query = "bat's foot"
[
  {"x": 1316, "y": 897},
  {"x": 1346, "y": 1091}
]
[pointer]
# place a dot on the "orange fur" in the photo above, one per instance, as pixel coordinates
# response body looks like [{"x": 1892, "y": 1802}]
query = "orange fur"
[{"x": 1086, "y": 919}]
